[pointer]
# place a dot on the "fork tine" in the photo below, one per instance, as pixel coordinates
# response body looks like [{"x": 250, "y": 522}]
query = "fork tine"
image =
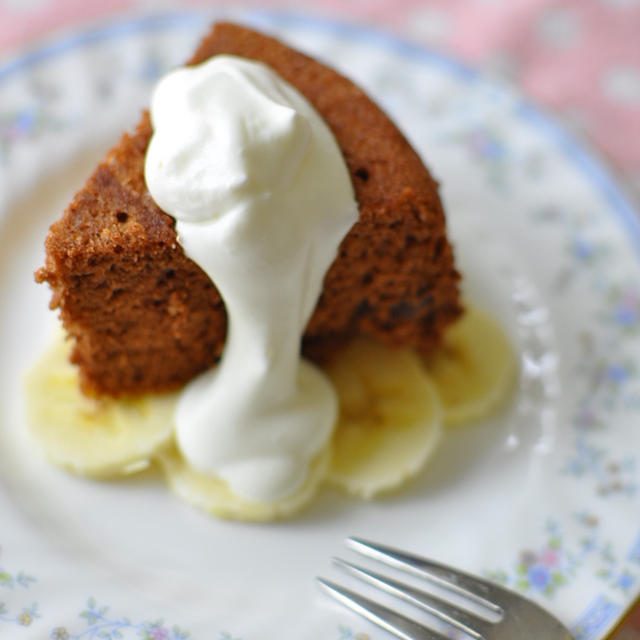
[
  {"x": 401, "y": 626},
  {"x": 475, "y": 589},
  {"x": 458, "y": 617}
]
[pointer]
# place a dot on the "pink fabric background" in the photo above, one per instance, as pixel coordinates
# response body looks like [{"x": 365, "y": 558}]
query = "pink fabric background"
[{"x": 580, "y": 59}]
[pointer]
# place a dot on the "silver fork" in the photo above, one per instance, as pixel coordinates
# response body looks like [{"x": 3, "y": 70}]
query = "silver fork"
[{"x": 509, "y": 616}]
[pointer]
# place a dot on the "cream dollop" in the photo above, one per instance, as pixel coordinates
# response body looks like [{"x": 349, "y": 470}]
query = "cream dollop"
[{"x": 262, "y": 199}]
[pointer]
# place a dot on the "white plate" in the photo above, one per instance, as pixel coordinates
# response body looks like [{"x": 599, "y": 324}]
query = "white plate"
[{"x": 545, "y": 497}]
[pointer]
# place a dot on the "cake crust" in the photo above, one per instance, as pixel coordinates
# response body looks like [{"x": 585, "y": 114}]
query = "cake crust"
[{"x": 145, "y": 318}]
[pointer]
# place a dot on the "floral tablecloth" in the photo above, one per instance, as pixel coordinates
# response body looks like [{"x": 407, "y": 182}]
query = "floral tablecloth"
[{"x": 579, "y": 59}]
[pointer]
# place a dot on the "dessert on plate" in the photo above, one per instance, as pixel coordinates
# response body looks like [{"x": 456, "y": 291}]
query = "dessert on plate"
[
  {"x": 144, "y": 317},
  {"x": 264, "y": 208}
]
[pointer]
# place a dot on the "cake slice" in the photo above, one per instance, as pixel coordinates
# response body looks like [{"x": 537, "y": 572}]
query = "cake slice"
[{"x": 145, "y": 318}]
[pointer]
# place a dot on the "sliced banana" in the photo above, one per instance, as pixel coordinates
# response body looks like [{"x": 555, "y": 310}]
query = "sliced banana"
[
  {"x": 214, "y": 496},
  {"x": 95, "y": 437},
  {"x": 390, "y": 418},
  {"x": 392, "y": 408},
  {"x": 475, "y": 368}
]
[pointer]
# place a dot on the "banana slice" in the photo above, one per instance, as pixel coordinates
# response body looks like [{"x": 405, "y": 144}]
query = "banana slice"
[
  {"x": 390, "y": 418},
  {"x": 474, "y": 370},
  {"x": 96, "y": 437},
  {"x": 214, "y": 496}
]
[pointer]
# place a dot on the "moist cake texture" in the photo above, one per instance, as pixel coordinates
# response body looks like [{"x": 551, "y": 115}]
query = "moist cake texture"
[{"x": 145, "y": 318}]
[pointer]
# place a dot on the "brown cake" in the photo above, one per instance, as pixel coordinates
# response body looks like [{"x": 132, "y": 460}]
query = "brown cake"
[{"x": 144, "y": 317}]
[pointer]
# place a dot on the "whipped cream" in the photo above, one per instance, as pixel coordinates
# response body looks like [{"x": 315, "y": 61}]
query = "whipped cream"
[{"x": 262, "y": 199}]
